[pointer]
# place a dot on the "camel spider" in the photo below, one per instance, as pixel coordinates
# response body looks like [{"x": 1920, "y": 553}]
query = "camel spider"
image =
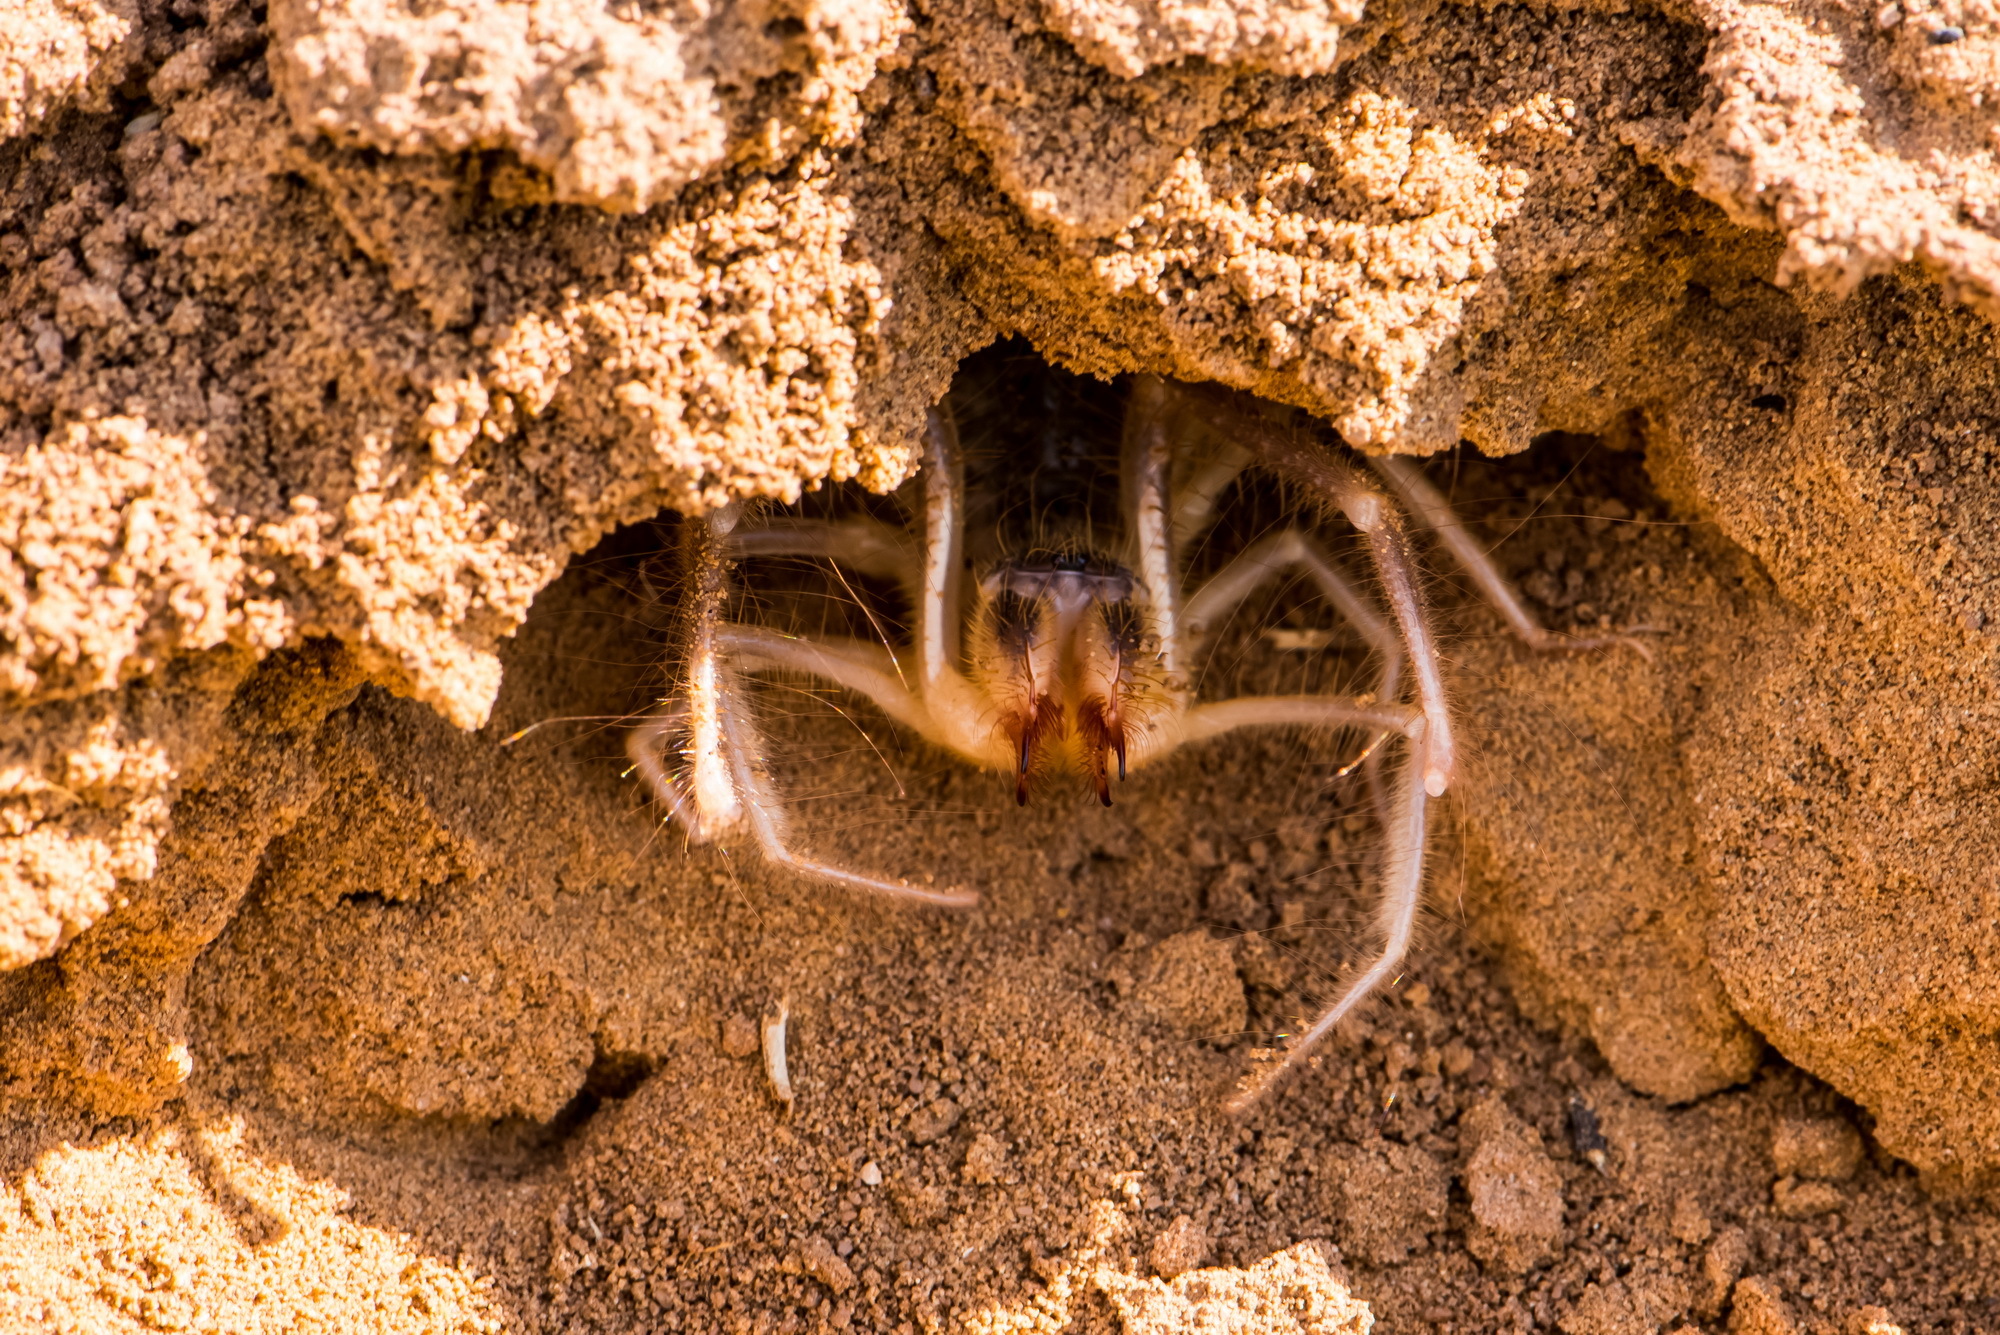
[{"x": 1068, "y": 659}]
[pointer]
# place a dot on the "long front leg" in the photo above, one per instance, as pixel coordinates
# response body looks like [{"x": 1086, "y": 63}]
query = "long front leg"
[
  {"x": 1148, "y": 519},
  {"x": 866, "y": 545},
  {"x": 861, "y": 667},
  {"x": 1308, "y": 461},
  {"x": 727, "y": 787},
  {"x": 1206, "y": 722},
  {"x": 953, "y": 718},
  {"x": 706, "y": 803},
  {"x": 1431, "y": 508},
  {"x": 944, "y": 511},
  {"x": 1405, "y": 835},
  {"x": 1269, "y": 557},
  {"x": 764, "y": 812},
  {"x": 646, "y": 744}
]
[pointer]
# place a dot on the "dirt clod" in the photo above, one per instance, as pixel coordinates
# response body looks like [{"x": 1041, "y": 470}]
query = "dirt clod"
[
  {"x": 818, "y": 1259},
  {"x": 1722, "y": 1264},
  {"x": 739, "y": 1036},
  {"x": 1180, "y": 1247},
  {"x": 1516, "y": 1190},
  {"x": 1755, "y": 1308},
  {"x": 1292, "y": 1292},
  {"x": 1826, "y": 1148},
  {"x": 985, "y": 1160},
  {"x": 934, "y": 1120}
]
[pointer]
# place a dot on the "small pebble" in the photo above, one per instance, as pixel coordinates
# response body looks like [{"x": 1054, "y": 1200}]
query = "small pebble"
[
  {"x": 1690, "y": 1222},
  {"x": 1870, "y": 1321},
  {"x": 1794, "y": 1199},
  {"x": 1515, "y": 1191},
  {"x": 871, "y": 1174},
  {"x": 1946, "y": 35},
  {"x": 1721, "y": 1265},
  {"x": 1756, "y": 1308}
]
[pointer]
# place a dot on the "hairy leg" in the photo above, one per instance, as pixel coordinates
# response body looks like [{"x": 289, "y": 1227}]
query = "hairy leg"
[
  {"x": 956, "y": 717},
  {"x": 861, "y": 667},
  {"x": 1269, "y": 557},
  {"x": 1148, "y": 521},
  {"x": 1308, "y": 461},
  {"x": 764, "y": 812},
  {"x": 1305, "y": 459},
  {"x": 1204, "y": 722},
  {"x": 938, "y": 609},
  {"x": 866, "y": 545},
  {"x": 1212, "y": 442},
  {"x": 1405, "y": 835},
  {"x": 1198, "y": 495},
  {"x": 645, "y": 745},
  {"x": 714, "y": 803},
  {"x": 726, "y": 789},
  {"x": 1431, "y": 509}
]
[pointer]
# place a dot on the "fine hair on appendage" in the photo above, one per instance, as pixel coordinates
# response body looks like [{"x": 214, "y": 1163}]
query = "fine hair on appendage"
[{"x": 1074, "y": 643}]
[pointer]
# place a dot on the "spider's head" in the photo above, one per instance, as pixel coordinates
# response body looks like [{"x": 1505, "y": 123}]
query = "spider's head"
[{"x": 1063, "y": 647}]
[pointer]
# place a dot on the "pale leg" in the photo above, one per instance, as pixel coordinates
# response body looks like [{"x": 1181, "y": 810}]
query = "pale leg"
[
  {"x": 1205, "y": 722},
  {"x": 765, "y": 814},
  {"x": 1404, "y": 833},
  {"x": 1397, "y": 569},
  {"x": 865, "y": 545},
  {"x": 713, "y": 800},
  {"x": 755, "y": 805},
  {"x": 1196, "y": 498},
  {"x": 1305, "y": 459},
  {"x": 646, "y": 744},
  {"x": 1404, "y": 837},
  {"x": 944, "y": 508},
  {"x": 727, "y": 789},
  {"x": 1308, "y": 461},
  {"x": 1430, "y": 507},
  {"x": 1271, "y": 556},
  {"x": 866, "y": 669},
  {"x": 1147, "y": 518}
]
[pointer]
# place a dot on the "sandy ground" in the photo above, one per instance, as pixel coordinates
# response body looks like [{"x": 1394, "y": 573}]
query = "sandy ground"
[{"x": 359, "y": 358}]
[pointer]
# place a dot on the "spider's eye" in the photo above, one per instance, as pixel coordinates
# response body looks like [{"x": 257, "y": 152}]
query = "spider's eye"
[{"x": 1071, "y": 561}]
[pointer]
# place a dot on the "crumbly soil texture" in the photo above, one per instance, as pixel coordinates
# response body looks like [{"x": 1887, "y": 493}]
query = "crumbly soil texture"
[{"x": 361, "y": 362}]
